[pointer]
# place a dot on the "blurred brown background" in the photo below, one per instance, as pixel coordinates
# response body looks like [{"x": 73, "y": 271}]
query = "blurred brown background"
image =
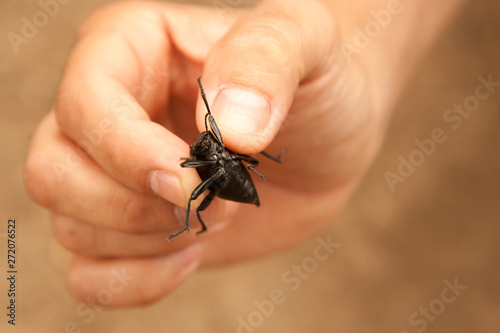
[{"x": 396, "y": 247}]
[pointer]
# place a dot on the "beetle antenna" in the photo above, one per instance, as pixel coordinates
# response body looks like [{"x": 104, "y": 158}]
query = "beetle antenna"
[
  {"x": 202, "y": 92},
  {"x": 206, "y": 126},
  {"x": 211, "y": 120}
]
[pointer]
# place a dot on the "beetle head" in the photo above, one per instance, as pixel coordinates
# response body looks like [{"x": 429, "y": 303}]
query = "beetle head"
[{"x": 204, "y": 145}]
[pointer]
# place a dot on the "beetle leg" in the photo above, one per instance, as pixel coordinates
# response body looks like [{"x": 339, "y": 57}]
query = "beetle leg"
[
  {"x": 194, "y": 164},
  {"x": 215, "y": 128},
  {"x": 204, "y": 204},
  {"x": 211, "y": 120},
  {"x": 202, "y": 187},
  {"x": 252, "y": 168},
  {"x": 252, "y": 161},
  {"x": 274, "y": 158},
  {"x": 214, "y": 191}
]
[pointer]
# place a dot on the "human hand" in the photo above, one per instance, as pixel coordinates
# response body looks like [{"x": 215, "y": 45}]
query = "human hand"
[{"x": 274, "y": 77}]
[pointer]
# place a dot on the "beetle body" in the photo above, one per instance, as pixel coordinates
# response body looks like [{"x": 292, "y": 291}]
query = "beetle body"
[
  {"x": 221, "y": 170},
  {"x": 240, "y": 186}
]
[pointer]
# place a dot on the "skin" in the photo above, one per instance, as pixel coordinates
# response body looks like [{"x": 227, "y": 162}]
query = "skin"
[{"x": 275, "y": 77}]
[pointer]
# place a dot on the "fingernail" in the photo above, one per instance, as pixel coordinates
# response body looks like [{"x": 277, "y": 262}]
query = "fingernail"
[
  {"x": 188, "y": 259},
  {"x": 167, "y": 186},
  {"x": 210, "y": 216},
  {"x": 180, "y": 215},
  {"x": 241, "y": 110}
]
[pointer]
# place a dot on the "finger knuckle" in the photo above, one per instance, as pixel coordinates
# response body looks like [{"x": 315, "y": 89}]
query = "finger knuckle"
[
  {"x": 118, "y": 14},
  {"x": 135, "y": 213},
  {"x": 76, "y": 284},
  {"x": 272, "y": 37},
  {"x": 67, "y": 234},
  {"x": 36, "y": 180}
]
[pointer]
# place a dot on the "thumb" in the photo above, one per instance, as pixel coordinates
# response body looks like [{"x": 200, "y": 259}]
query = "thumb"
[{"x": 251, "y": 74}]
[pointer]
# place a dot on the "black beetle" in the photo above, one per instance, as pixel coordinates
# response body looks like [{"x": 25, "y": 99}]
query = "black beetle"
[{"x": 221, "y": 170}]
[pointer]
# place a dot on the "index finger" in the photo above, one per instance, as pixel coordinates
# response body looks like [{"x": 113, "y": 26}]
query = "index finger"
[{"x": 99, "y": 108}]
